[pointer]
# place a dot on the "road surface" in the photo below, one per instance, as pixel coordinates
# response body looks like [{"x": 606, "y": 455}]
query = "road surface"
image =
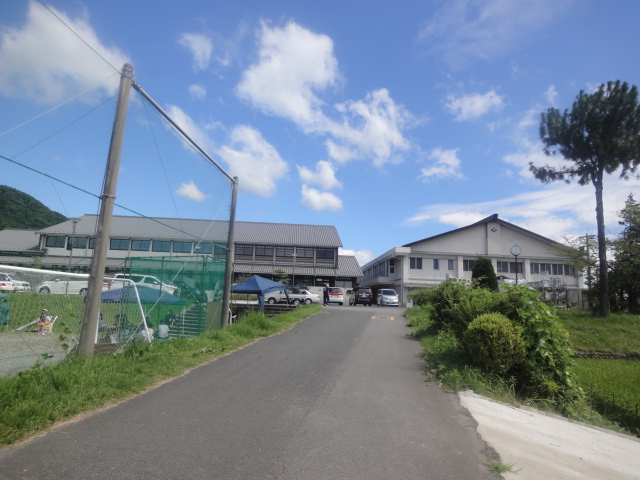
[{"x": 339, "y": 396}]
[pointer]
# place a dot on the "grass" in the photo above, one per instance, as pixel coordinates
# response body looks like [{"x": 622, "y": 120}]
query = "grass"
[
  {"x": 37, "y": 399},
  {"x": 620, "y": 333},
  {"x": 612, "y": 387}
]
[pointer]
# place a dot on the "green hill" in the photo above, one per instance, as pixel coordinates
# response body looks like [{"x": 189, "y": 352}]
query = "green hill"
[{"x": 20, "y": 210}]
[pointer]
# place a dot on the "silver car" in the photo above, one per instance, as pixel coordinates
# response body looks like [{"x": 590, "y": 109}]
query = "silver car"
[
  {"x": 10, "y": 283},
  {"x": 387, "y": 297}
]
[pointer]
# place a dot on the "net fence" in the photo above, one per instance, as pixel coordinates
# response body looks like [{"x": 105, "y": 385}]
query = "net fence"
[{"x": 172, "y": 205}]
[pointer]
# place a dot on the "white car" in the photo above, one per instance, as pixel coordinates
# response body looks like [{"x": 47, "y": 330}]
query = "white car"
[
  {"x": 11, "y": 283},
  {"x": 387, "y": 297},
  {"x": 296, "y": 297},
  {"x": 336, "y": 295},
  {"x": 66, "y": 287},
  {"x": 148, "y": 281}
]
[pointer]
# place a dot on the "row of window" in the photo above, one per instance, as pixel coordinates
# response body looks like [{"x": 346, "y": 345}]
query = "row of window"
[
  {"x": 268, "y": 251},
  {"x": 134, "y": 245},
  {"x": 415, "y": 263}
]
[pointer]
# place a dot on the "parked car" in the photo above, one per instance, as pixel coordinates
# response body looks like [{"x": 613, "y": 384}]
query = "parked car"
[
  {"x": 336, "y": 295},
  {"x": 11, "y": 283},
  {"x": 362, "y": 295},
  {"x": 387, "y": 297},
  {"x": 148, "y": 281},
  {"x": 296, "y": 297},
  {"x": 69, "y": 287}
]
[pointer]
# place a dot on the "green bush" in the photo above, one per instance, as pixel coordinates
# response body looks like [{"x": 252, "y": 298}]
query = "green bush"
[
  {"x": 418, "y": 320},
  {"x": 494, "y": 343},
  {"x": 545, "y": 372}
]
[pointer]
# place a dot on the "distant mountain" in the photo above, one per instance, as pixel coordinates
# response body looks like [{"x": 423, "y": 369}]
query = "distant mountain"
[{"x": 20, "y": 210}]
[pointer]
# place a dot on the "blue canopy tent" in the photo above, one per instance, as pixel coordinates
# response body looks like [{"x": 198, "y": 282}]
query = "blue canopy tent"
[
  {"x": 147, "y": 295},
  {"x": 259, "y": 286}
]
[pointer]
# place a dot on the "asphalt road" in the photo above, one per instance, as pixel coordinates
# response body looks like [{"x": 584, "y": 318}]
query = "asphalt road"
[{"x": 339, "y": 396}]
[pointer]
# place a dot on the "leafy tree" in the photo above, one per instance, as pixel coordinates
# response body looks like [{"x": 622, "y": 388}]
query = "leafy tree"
[
  {"x": 601, "y": 134},
  {"x": 20, "y": 210},
  {"x": 624, "y": 272},
  {"x": 484, "y": 274}
]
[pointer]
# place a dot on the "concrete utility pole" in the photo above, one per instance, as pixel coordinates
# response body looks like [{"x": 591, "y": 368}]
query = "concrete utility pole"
[
  {"x": 228, "y": 273},
  {"x": 103, "y": 230}
]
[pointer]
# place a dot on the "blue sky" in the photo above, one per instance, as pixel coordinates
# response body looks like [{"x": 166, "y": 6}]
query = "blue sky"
[{"x": 393, "y": 121}]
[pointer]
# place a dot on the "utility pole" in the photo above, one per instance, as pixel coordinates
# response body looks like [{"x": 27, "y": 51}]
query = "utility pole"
[
  {"x": 103, "y": 228},
  {"x": 228, "y": 273}
]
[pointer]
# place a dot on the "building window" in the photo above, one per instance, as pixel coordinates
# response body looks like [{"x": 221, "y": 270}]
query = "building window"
[
  {"x": 78, "y": 242},
  {"x": 284, "y": 251},
  {"x": 392, "y": 266},
  {"x": 436, "y": 264},
  {"x": 203, "y": 248},
  {"x": 415, "y": 263},
  {"x": 264, "y": 251},
  {"x": 502, "y": 267},
  {"x": 325, "y": 253},
  {"x": 55, "y": 242},
  {"x": 304, "y": 252},
  {"x": 119, "y": 244},
  {"x": 182, "y": 247},
  {"x": 467, "y": 265},
  {"x": 219, "y": 249},
  {"x": 92, "y": 242},
  {"x": 140, "y": 245},
  {"x": 515, "y": 268},
  {"x": 450, "y": 265},
  {"x": 161, "y": 246},
  {"x": 244, "y": 250}
]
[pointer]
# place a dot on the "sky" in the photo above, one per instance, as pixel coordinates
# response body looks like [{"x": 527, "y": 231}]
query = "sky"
[{"x": 392, "y": 121}]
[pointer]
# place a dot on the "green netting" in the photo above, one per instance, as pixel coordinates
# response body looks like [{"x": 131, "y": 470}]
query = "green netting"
[{"x": 198, "y": 281}]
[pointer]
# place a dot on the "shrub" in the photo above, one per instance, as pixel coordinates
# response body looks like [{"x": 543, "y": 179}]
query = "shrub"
[
  {"x": 483, "y": 275},
  {"x": 494, "y": 343},
  {"x": 419, "y": 321}
]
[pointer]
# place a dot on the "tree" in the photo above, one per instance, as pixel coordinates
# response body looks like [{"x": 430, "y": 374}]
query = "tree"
[
  {"x": 625, "y": 268},
  {"x": 280, "y": 276},
  {"x": 599, "y": 135},
  {"x": 484, "y": 274}
]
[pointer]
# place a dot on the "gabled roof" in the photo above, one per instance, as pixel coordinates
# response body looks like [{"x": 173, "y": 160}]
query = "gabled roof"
[
  {"x": 491, "y": 218},
  {"x": 214, "y": 231}
]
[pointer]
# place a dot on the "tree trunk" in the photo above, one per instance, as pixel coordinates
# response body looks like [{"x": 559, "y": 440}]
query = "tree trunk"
[{"x": 602, "y": 249}]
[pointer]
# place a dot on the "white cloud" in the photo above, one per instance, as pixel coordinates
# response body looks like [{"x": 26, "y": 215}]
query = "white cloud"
[
  {"x": 197, "y": 91},
  {"x": 465, "y": 30},
  {"x": 316, "y": 200},
  {"x": 551, "y": 95},
  {"x": 191, "y": 192},
  {"x": 373, "y": 127},
  {"x": 44, "y": 61},
  {"x": 324, "y": 176},
  {"x": 362, "y": 256},
  {"x": 469, "y": 107},
  {"x": 447, "y": 164},
  {"x": 294, "y": 66},
  {"x": 186, "y": 123},
  {"x": 200, "y": 48},
  {"x": 555, "y": 210},
  {"x": 254, "y": 161},
  {"x": 293, "y": 63}
]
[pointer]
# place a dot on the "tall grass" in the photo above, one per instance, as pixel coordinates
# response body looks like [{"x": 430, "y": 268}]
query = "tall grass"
[{"x": 38, "y": 398}]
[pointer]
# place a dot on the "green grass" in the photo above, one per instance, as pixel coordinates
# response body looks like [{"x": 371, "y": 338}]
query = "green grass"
[
  {"x": 36, "y": 399},
  {"x": 620, "y": 333},
  {"x": 613, "y": 386}
]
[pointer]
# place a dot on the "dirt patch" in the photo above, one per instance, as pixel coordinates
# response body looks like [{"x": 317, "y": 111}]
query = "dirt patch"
[{"x": 21, "y": 350}]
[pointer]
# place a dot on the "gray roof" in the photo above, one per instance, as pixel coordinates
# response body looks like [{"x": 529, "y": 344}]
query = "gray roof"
[
  {"x": 214, "y": 231},
  {"x": 16, "y": 240}
]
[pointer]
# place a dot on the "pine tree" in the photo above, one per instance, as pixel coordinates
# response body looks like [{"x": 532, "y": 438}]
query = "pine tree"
[{"x": 484, "y": 275}]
